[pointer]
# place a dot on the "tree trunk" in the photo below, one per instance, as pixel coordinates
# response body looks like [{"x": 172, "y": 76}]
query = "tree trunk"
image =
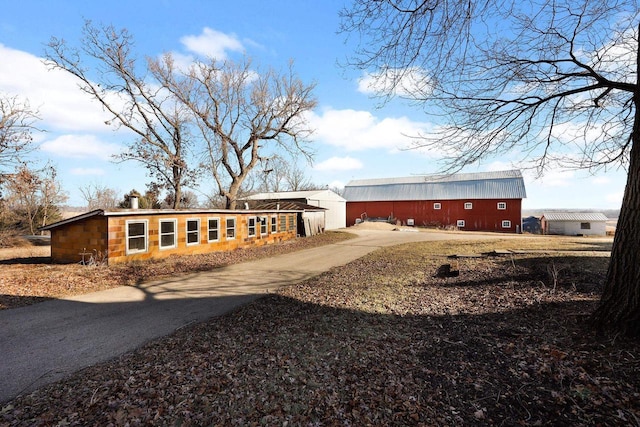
[{"x": 619, "y": 308}]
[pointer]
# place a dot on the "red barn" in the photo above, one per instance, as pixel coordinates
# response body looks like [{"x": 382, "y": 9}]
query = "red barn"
[{"x": 483, "y": 201}]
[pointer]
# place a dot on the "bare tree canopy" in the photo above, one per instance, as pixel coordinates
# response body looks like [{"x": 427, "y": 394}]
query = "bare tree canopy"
[
  {"x": 121, "y": 84},
  {"x": 556, "y": 82},
  {"x": 16, "y": 124},
  {"x": 243, "y": 115}
]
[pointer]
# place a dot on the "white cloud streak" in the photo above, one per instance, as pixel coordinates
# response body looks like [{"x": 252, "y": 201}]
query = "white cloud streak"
[{"x": 213, "y": 44}]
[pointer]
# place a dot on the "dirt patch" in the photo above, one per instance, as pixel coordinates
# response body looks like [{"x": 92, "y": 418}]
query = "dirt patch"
[{"x": 380, "y": 341}]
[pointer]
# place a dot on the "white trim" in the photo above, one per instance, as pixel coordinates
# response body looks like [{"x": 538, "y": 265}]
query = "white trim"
[
  {"x": 209, "y": 229},
  {"x": 187, "y": 232},
  {"x": 506, "y": 223},
  {"x": 227, "y": 228},
  {"x": 265, "y": 224},
  {"x": 460, "y": 223},
  {"x": 437, "y": 206},
  {"x": 174, "y": 233},
  {"x": 251, "y": 219},
  {"x": 468, "y": 205},
  {"x": 146, "y": 236},
  {"x": 503, "y": 204},
  {"x": 274, "y": 224}
]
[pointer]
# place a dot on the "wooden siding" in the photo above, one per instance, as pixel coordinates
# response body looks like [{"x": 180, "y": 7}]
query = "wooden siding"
[
  {"x": 109, "y": 233},
  {"x": 483, "y": 216}
]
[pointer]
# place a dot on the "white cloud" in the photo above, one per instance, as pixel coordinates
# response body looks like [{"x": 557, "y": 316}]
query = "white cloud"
[
  {"x": 556, "y": 178},
  {"x": 80, "y": 147},
  {"x": 339, "y": 164},
  {"x": 360, "y": 130},
  {"x": 615, "y": 198},
  {"x": 336, "y": 184},
  {"x": 55, "y": 93},
  {"x": 601, "y": 180},
  {"x": 212, "y": 43},
  {"x": 411, "y": 82},
  {"x": 87, "y": 171}
]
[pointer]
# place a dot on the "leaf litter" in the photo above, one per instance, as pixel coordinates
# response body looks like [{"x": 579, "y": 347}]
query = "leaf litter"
[{"x": 380, "y": 341}]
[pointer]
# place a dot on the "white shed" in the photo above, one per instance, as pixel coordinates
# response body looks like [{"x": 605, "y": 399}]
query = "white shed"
[
  {"x": 574, "y": 223},
  {"x": 335, "y": 205}
]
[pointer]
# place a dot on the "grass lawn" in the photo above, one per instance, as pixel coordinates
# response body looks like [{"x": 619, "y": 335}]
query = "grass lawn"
[{"x": 384, "y": 340}]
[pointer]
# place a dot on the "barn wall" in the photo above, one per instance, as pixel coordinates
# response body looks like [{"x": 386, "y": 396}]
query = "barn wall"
[
  {"x": 86, "y": 236},
  {"x": 483, "y": 216}
]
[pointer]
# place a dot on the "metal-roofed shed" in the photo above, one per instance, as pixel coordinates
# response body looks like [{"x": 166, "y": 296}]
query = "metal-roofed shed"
[{"x": 574, "y": 223}]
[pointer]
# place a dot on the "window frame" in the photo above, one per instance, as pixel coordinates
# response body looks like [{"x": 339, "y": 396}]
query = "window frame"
[
  {"x": 291, "y": 223},
  {"x": 209, "y": 229},
  {"x": 174, "y": 233},
  {"x": 274, "y": 224},
  {"x": 437, "y": 206},
  {"x": 506, "y": 223},
  {"x": 263, "y": 221},
  {"x": 129, "y": 222},
  {"x": 188, "y": 233},
  {"x": 232, "y": 228},
  {"x": 468, "y": 206},
  {"x": 460, "y": 223},
  {"x": 250, "y": 226},
  {"x": 585, "y": 226},
  {"x": 502, "y": 206},
  {"x": 282, "y": 220}
]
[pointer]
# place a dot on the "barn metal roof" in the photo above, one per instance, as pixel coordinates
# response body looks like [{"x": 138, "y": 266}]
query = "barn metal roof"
[
  {"x": 288, "y": 195},
  {"x": 574, "y": 216},
  {"x": 480, "y": 185}
]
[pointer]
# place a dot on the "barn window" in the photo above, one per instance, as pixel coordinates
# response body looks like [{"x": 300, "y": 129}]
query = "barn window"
[
  {"x": 274, "y": 224},
  {"x": 168, "y": 229},
  {"x": 136, "y": 236},
  {"x": 468, "y": 205},
  {"x": 263, "y": 225},
  {"x": 231, "y": 228},
  {"x": 460, "y": 223},
  {"x": 437, "y": 206},
  {"x": 193, "y": 231},
  {"x": 251, "y": 226},
  {"x": 502, "y": 206},
  {"x": 506, "y": 223},
  {"x": 214, "y": 229},
  {"x": 585, "y": 226}
]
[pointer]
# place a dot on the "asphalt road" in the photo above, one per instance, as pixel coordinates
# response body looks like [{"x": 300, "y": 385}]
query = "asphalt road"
[{"x": 46, "y": 342}]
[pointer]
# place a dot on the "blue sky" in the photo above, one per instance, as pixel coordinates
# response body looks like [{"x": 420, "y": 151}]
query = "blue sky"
[{"x": 355, "y": 138}]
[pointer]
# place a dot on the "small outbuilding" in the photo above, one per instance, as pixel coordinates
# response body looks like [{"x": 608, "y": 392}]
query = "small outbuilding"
[
  {"x": 139, "y": 234},
  {"x": 335, "y": 205},
  {"x": 574, "y": 223}
]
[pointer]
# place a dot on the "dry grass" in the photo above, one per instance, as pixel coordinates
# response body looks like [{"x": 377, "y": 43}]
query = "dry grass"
[{"x": 381, "y": 341}]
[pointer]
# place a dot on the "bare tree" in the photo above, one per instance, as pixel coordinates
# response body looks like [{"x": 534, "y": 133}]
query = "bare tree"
[
  {"x": 555, "y": 81},
  {"x": 99, "y": 196},
  {"x": 160, "y": 125},
  {"x": 241, "y": 114},
  {"x": 16, "y": 125},
  {"x": 34, "y": 197}
]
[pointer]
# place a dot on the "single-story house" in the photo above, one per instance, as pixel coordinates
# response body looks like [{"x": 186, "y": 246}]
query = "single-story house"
[
  {"x": 140, "y": 234},
  {"x": 483, "y": 201},
  {"x": 332, "y": 202},
  {"x": 574, "y": 223}
]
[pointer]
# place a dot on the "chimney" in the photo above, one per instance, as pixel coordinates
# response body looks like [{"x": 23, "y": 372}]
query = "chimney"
[
  {"x": 246, "y": 205},
  {"x": 133, "y": 202}
]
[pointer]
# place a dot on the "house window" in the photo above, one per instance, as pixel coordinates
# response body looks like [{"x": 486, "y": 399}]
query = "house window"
[
  {"x": 213, "y": 229},
  {"x": 263, "y": 225},
  {"x": 585, "y": 226},
  {"x": 136, "y": 236},
  {"x": 502, "y": 206},
  {"x": 292, "y": 224},
  {"x": 274, "y": 224},
  {"x": 168, "y": 229},
  {"x": 506, "y": 223},
  {"x": 231, "y": 228},
  {"x": 193, "y": 231},
  {"x": 468, "y": 205},
  {"x": 251, "y": 225},
  {"x": 283, "y": 223},
  {"x": 460, "y": 223},
  {"x": 437, "y": 206}
]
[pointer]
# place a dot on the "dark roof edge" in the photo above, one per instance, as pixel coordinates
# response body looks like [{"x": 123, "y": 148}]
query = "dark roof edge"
[{"x": 85, "y": 215}]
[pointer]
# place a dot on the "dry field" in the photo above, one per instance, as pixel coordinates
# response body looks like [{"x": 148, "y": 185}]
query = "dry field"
[{"x": 381, "y": 341}]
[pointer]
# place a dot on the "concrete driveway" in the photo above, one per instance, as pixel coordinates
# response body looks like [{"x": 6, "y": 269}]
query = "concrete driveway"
[{"x": 43, "y": 343}]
